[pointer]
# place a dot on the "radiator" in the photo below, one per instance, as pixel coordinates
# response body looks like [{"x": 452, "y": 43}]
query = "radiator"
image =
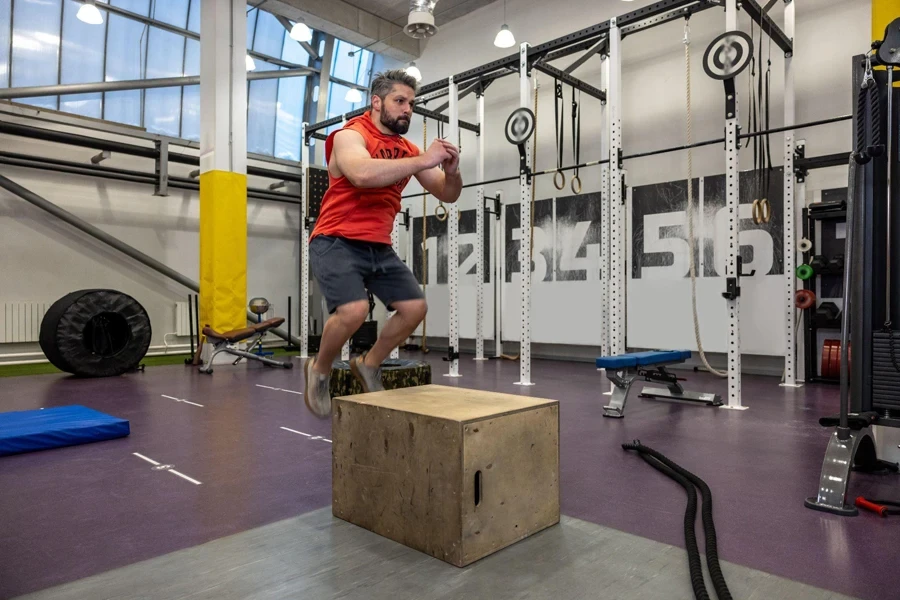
[
  {"x": 183, "y": 319},
  {"x": 22, "y": 321}
]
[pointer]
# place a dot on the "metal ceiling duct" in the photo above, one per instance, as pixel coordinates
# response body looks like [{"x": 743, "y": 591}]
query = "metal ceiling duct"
[{"x": 421, "y": 19}]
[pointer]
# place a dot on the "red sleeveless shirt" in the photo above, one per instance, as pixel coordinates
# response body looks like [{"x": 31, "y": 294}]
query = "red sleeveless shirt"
[{"x": 365, "y": 214}]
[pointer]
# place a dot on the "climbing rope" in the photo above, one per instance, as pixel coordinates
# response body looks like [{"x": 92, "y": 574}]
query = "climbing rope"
[
  {"x": 424, "y": 236},
  {"x": 534, "y": 138},
  {"x": 690, "y": 191}
]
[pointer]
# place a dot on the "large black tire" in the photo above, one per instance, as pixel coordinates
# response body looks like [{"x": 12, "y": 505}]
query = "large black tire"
[
  {"x": 396, "y": 374},
  {"x": 96, "y": 333}
]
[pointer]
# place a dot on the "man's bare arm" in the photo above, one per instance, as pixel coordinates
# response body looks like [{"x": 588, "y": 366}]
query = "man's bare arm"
[
  {"x": 444, "y": 185},
  {"x": 353, "y": 161}
]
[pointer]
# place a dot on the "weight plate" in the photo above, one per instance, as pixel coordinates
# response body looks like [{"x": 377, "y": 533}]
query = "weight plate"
[
  {"x": 728, "y": 55},
  {"x": 804, "y": 245},
  {"x": 804, "y": 272},
  {"x": 519, "y": 126}
]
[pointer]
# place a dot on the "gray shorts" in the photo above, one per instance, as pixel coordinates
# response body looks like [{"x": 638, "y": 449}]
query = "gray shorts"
[{"x": 345, "y": 268}]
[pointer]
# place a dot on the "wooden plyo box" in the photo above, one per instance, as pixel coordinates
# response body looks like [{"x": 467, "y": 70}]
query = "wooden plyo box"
[{"x": 456, "y": 473}]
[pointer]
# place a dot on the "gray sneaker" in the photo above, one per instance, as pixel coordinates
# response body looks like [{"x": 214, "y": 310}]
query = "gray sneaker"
[
  {"x": 369, "y": 378},
  {"x": 318, "y": 391}
]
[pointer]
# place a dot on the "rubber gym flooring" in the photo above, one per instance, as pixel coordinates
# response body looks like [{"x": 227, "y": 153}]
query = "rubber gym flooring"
[{"x": 244, "y": 513}]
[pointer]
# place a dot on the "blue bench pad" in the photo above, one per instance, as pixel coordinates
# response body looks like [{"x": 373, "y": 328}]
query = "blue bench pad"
[
  {"x": 30, "y": 430},
  {"x": 641, "y": 359}
]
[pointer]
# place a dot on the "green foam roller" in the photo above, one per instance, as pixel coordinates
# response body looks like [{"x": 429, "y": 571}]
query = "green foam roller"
[{"x": 805, "y": 272}]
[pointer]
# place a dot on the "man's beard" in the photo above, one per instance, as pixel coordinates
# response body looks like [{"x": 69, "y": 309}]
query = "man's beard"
[{"x": 396, "y": 125}]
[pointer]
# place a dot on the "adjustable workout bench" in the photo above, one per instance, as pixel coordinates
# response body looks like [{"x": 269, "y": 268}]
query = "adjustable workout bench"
[
  {"x": 225, "y": 342},
  {"x": 652, "y": 367}
]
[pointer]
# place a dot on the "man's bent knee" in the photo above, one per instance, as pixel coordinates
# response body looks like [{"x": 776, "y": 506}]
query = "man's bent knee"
[
  {"x": 412, "y": 310},
  {"x": 353, "y": 313}
]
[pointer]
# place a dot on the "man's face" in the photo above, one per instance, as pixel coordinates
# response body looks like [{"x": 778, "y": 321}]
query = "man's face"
[{"x": 397, "y": 107}]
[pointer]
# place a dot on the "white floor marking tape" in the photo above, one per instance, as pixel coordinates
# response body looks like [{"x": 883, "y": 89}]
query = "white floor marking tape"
[
  {"x": 181, "y": 400},
  {"x": 312, "y": 437},
  {"x": 295, "y": 431},
  {"x": 268, "y": 387},
  {"x": 183, "y": 476},
  {"x": 149, "y": 460},
  {"x": 170, "y": 470}
]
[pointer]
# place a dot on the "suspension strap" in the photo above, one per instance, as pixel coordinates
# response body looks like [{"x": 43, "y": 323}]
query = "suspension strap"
[
  {"x": 576, "y": 141},
  {"x": 559, "y": 178}
]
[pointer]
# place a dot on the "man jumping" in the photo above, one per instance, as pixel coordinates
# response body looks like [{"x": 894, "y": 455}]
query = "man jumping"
[{"x": 369, "y": 165}]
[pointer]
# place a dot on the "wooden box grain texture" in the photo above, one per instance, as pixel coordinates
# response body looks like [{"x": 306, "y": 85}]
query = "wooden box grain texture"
[{"x": 456, "y": 473}]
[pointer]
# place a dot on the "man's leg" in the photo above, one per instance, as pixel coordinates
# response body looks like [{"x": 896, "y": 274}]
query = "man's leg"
[
  {"x": 394, "y": 284},
  {"x": 345, "y": 321},
  {"x": 408, "y": 315},
  {"x": 339, "y": 270}
]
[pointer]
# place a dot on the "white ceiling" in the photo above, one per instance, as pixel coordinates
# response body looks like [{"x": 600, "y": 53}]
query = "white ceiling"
[{"x": 397, "y": 11}]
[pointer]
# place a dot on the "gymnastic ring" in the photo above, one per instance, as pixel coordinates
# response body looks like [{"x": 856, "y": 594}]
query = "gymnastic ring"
[
  {"x": 755, "y": 212},
  {"x": 765, "y": 211},
  {"x": 805, "y": 299},
  {"x": 804, "y": 245},
  {"x": 578, "y": 180},
  {"x": 556, "y": 176},
  {"x": 441, "y": 212}
]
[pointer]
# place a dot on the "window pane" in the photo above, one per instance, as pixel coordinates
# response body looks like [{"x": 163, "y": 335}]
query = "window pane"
[
  {"x": 190, "y": 113},
  {"x": 192, "y": 58},
  {"x": 82, "y": 61},
  {"x": 251, "y": 26},
  {"x": 365, "y": 63},
  {"x": 261, "y": 113},
  {"x": 165, "y": 54},
  {"x": 86, "y": 105},
  {"x": 35, "y": 56},
  {"x": 348, "y": 67},
  {"x": 123, "y": 107},
  {"x": 269, "y": 35},
  {"x": 141, "y": 7},
  {"x": 4, "y": 43},
  {"x": 125, "y": 50},
  {"x": 194, "y": 16},
  {"x": 162, "y": 110},
  {"x": 294, "y": 52},
  {"x": 82, "y": 47},
  {"x": 165, "y": 58},
  {"x": 337, "y": 104},
  {"x": 291, "y": 96},
  {"x": 173, "y": 12}
]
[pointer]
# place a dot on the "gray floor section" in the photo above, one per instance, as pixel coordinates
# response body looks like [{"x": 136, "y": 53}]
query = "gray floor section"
[{"x": 316, "y": 556}]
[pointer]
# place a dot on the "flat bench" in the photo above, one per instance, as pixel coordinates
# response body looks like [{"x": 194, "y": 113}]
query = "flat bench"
[
  {"x": 624, "y": 369},
  {"x": 228, "y": 342}
]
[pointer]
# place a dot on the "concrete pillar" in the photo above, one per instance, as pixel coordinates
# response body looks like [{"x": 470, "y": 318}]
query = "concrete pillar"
[{"x": 223, "y": 164}]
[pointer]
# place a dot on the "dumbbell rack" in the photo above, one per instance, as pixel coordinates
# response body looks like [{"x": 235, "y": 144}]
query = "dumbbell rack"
[{"x": 812, "y": 323}]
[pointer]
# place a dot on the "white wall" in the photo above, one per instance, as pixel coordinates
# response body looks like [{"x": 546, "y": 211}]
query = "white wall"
[
  {"x": 44, "y": 258},
  {"x": 828, "y": 33}
]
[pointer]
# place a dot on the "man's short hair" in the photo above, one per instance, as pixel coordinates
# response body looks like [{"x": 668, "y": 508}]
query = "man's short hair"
[{"x": 383, "y": 83}]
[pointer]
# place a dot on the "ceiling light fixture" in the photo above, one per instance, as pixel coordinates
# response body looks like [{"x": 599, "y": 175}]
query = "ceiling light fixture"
[
  {"x": 353, "y": 96},
  {"x": 90, "y": 14},
  {"x": 413, "y": 71},
  {"x": 505, "y": 38},
  {"x": 301, "y": 33}
]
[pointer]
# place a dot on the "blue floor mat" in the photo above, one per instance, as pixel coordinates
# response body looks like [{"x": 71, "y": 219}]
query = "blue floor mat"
[{"x": 30, "y": 430}]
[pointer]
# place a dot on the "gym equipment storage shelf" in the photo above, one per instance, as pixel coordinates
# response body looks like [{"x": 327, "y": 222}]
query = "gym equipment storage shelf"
[{"x": 825, "y": 211}]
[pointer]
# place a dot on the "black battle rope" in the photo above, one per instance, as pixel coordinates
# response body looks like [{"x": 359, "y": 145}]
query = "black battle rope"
[
  {"x": 685, "y": 478},
  {"x": 560, "y": 137},
  {"x": 576, "y": 139}
]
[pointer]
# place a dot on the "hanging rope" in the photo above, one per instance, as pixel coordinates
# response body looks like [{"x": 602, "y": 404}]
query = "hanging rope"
[
  {"x": 690, "y": 191},
  {"x": 424, "y": 237},
  {"x": 534, "y": 138}
]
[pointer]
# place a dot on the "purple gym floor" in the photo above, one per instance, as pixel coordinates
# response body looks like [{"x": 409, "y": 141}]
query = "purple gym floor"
[{"x": 73, "y": 512}]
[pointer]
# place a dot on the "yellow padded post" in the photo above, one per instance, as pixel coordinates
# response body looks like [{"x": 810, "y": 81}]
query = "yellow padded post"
[{"x": 223, "y": 250}]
